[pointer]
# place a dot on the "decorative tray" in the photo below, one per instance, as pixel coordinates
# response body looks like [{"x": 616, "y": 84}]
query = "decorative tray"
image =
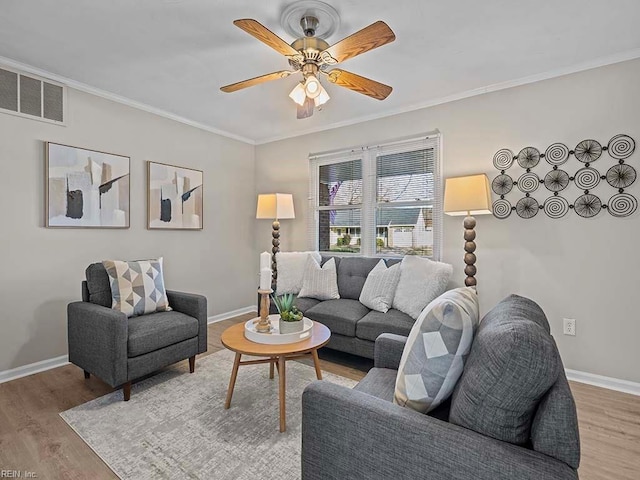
[{"x": 274, "y": 337}]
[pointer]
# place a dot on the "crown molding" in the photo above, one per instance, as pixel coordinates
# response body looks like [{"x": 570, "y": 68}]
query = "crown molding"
[
  {"x": 558, "y": 72},
  {"x": 68, "y": 82}
]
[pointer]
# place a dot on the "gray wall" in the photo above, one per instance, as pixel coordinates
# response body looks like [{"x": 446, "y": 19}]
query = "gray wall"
[
  {"x": 574, "y": 267},
  {"x": 42, "y": 268}
]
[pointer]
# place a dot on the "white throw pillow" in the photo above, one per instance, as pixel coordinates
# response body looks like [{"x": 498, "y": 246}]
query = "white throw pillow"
[
  {"x": 421, "y": 280},
  {"x": 380, "y": 287},
  {"x": 291, "y": 270},
  {"x": 320, "y": 283},
  {"x": 435, "y": 352}
]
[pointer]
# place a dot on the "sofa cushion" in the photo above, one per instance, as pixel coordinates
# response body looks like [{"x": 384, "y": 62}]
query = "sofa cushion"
[
  {"x": 291, "y": 270},
  {"x": 320, "y": 282},
  {"x": 379, "y": 382},
  {"x": 137, "y": 287},
  {"x": 305, "y": 304},
  {"x": 375, "y": 323},
  {"x": 435, "y": 352},
  {"x": 554, "y": 431},
  {"x": 154, "y": 331},
  {"x": 98, "y": 285},
  {"x": 380, "y": 287},
  {"x": 352, "y": 273},
  {"x": 341, "y": 315},
  {"x": 512, "y": 364},
  {"x": 421, "y": 281}
]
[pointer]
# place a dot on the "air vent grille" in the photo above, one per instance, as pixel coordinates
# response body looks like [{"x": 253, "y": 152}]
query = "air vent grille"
[{"x": 30, "y": 96}]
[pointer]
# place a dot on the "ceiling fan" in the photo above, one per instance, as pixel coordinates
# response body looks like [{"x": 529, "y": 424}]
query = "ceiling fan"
[{"x": 313, "y": 57}]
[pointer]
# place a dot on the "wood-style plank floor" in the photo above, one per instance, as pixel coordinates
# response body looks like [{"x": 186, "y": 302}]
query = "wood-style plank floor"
[{"x": 34, "y": 438}]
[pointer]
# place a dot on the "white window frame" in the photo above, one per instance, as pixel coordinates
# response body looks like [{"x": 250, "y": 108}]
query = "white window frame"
[{"x": 370, "y": 205}]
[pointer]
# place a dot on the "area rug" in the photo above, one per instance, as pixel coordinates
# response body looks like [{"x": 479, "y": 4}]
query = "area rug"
[{"x": 175, "y": 425}]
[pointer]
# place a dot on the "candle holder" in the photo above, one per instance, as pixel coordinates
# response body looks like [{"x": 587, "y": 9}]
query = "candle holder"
[{"x": 264, "y": 324}]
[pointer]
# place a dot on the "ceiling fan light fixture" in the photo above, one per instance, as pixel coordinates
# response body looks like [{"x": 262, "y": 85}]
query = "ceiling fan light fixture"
[
  {"x": 312, "y": 86},
  {"x": 322, "y": 98},
  {"x": 298, "y": 94}
]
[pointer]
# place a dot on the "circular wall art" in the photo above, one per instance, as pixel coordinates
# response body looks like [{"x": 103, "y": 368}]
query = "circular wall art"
[
  {"x": 527, "y": 207},
  {"x": 501, "y": 209},
  {"x": 621, "y": 175},
  {"x": 556, "y": 207},
  {"x": 556, "y": 180},
  {"x": 621, "y": 146},
  {"x": 503, "y": 159},
  {"x": 588, "y": 151},
  {"x": 587, "y": 178},
  {"x": 528, "y": 182},
  {"x": 502, "y": 184},
  {"x": 528, "y": 157},
  {"x": 587, "y": 205},
  {"x": 556, "y": 154},
  {"x": 622, "y": 205}
]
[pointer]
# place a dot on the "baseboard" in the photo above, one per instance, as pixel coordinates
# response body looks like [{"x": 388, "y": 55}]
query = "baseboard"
[
  {"x": 233, "y": 313},
  {"x": 32, "y": 368},
  {"x": 601, "y": 381}
]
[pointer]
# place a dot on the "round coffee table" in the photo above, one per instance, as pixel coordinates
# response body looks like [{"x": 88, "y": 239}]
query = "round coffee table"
[{"x": 233, "y": 338}]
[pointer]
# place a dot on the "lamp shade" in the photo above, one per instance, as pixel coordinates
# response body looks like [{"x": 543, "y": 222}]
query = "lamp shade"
[
  {"x": 470, "y": 195},
  {"x": 275, "y": 206}
]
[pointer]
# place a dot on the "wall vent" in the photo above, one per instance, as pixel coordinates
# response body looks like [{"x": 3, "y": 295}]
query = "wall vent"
[{"x": 31, "y": 97}]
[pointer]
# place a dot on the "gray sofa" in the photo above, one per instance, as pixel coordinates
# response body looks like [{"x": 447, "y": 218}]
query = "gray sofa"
[
  {"x": 351, "y": 434},
  {"x": 354, "y": 328},
  {"x": 118, "y": 349}
]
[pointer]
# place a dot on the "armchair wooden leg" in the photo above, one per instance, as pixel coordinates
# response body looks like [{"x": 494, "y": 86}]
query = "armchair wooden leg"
[
  {"x": 86, "y": 374},
  {"x": 192, "y": 364},
  {"x": 126, "y": 391}
]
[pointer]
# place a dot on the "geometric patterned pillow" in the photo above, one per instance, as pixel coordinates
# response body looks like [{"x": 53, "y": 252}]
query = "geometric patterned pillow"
[
  {"x": 436, "y": 350},
  {"x": 137, "y": 287}
]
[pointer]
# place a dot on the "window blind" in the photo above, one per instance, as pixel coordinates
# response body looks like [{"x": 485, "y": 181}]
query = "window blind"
[{"x": 378, "y": 200}]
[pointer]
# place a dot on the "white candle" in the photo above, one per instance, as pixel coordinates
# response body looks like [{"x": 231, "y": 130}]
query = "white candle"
[
  {"x": 265, "y": 278},
  {"x": 265, "y": 260}
]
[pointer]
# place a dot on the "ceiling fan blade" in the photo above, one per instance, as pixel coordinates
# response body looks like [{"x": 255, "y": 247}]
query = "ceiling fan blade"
[
  {"x": 375, "y": 35},
  {"x": 306, "y": 110},
  {"x": 256, "y": 81},
  {"x": 359, "y": 84},
  {"x": 262, "y": 33}
]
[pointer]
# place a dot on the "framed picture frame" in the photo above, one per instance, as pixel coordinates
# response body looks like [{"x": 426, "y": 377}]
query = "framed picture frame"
[
  {"x": 86, "y": 188},
  {"x": 174, "y": 197}
]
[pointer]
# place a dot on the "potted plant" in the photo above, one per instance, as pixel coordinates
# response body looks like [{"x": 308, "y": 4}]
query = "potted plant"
[{"x": 290, "y": 316}]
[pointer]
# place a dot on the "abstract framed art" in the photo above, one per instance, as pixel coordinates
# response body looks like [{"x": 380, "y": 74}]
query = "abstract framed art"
[
  {"x": 174, "y": 197},
  {"x": 86, "y": 188}
]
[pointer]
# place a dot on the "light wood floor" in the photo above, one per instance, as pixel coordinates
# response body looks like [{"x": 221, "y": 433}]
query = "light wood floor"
[{"x": 33, "y": 437}]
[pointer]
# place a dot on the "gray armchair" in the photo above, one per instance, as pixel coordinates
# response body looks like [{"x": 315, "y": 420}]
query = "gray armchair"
[
  {"x": 118, "y": 349},
  {"x": 353, "y": 434}
]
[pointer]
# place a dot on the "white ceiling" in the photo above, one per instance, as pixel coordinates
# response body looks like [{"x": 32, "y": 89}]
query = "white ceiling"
[{"x": 173, "y": 55}]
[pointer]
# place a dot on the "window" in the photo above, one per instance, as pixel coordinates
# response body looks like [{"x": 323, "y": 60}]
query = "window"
[{"x": 380, "y": 200}]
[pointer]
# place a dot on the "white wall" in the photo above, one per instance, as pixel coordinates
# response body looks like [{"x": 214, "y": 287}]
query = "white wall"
[
  {"x": 42, "y": 268},
  {"x": 573, "y": 267}
]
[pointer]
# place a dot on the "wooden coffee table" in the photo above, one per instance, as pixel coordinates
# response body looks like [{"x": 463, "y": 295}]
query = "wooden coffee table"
[{"x": 233, "y": 338}]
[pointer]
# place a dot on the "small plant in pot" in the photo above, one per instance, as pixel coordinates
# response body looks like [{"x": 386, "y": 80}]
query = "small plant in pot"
[{"x": 290, "y": 316}]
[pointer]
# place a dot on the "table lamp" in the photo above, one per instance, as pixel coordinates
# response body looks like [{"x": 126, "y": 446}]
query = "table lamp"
[
  {"x": 468, "y": 196},
  {"x": 276, "y": 207}
]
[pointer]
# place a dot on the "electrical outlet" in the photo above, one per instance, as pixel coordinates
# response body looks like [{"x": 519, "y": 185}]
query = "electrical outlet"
[{"x": 569, "y": 326}]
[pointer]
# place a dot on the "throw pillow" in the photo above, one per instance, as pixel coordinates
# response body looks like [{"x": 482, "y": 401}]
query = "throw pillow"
[
  {"x": 421, "y": 281},
  {"x": 137, "y": 287},
  {"x": 318, "y": 282},
  {"x": 380, "y": 287},
  {"x": 291, "y": 267},
  {"x": 436, "y": 350}
]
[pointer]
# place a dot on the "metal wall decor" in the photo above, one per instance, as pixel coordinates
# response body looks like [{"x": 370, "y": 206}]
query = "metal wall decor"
[{"x": 586, "y": 179}]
